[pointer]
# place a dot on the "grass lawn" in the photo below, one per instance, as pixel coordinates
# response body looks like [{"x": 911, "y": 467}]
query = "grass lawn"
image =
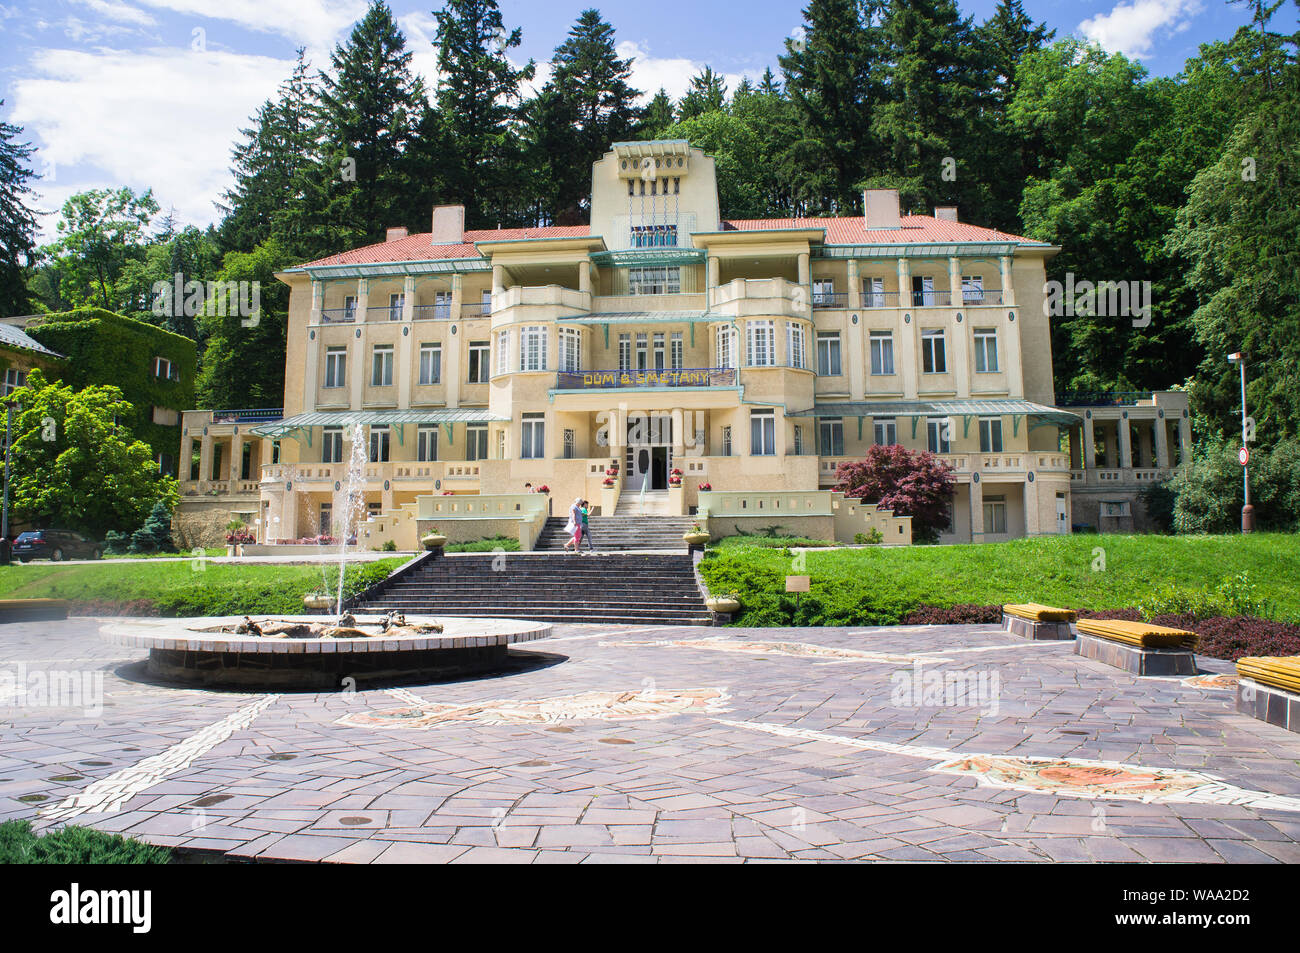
[
  {"x": 180, "y": 589},
  {"x": 877, "y": 585}
]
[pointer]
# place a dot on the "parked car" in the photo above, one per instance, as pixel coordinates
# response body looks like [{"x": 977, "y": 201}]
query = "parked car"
[{"x": 55, "y": 544}]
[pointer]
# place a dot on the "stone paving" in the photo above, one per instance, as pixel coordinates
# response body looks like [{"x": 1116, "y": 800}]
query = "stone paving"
[{"x": 638, "y": 744}]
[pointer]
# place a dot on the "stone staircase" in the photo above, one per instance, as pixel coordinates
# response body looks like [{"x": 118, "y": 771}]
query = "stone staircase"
[
  {"x": 620, "y": 533},
  {"x": 631, "y": 503},
  {"x": 622, "y": 588}
]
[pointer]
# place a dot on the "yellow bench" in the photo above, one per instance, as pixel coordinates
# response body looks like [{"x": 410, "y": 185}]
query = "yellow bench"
[
  {"x": 1142, "y": 635},
  {"x": 1274, "y": 671},
  {"x": 1033, "y": 612}
]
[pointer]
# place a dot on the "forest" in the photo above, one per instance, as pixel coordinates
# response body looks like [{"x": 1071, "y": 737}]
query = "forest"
[{"x": 1190, "y": 182}]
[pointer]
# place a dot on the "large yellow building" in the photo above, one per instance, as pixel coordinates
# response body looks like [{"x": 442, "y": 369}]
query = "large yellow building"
[{"x": 750, "y": 357}]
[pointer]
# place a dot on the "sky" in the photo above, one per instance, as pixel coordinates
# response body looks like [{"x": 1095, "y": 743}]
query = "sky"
[{"x": 153, "y": 93}]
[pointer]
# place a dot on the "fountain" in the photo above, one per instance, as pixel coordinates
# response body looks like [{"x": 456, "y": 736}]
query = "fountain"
[{"x": 308, "y": 653}]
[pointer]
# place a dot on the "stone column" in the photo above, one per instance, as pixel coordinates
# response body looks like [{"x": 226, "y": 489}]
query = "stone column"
[
  {"x": 1089, "y": 447},
  {"x": 498, "y": 281},
  {"x": 955, "y": 298},
  {"x": 317, "y": 300},
  {"x": 976, "y": 509},
  {"x": 854, "y": 299},
  {"x": 1125, "y": 443},
  {"x": 205, "y": 458},
  {"x": 236, "y": 460},
  {"x": 904, "y": 283},
  {"x": 408, "y": 298},
  {"x": 1008, "y": 284},
  {"x": 1162, "y": 444},
  {"x": 359, "y": 358},
  {"x": 1184, "y": 441},
  {"x": 805, "y": 282}
]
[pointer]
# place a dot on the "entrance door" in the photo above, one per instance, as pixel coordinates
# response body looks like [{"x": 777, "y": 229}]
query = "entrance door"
[
  {"x": 1062, "y": 521},
  {"x": 639, "y": 471},
  {"x": 659, "y": 468}
]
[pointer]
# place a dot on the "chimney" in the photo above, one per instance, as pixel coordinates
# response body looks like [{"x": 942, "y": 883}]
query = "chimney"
[
  {"x": 394, "y": 234},
  {"x": 448, "y": 225},
  {"x": 945, "y": 213},
  {"x": 881, "y": 207}
]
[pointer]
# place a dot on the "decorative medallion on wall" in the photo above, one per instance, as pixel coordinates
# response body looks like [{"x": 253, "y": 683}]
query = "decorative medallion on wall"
[
  {"x": 1160, "y": 414},
  {"x": 385, "y": 484},
  {"x": 1030, "y": 477},
  {"x": 975, "y": 477},
  {"x": 205, "y": 431},
  {"x": 855, "y": 319},
  {"x": 337, "y": 486},
  {"x": 1124, "y": 414},
  {"x": 959, "y": 317},
  {"x": 595, "y": 706},
  {"x": 907, "y": 319},
  {"x": 405, "y": 331},
  {"x": 358, "y": 334},
  {"x": 453, "y": 329},
  {"x": 311, "y": 335},
  {"x": 1011, "y": 316},
  {"x": 1088, "y": 414}
]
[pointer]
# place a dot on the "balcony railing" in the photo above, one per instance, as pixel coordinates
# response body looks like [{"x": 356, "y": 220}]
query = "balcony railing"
[
  {"x": 830, "y": 300},
  {"x": 969, "y": 298},
  {"x": 338, "y": 315},
  {"x": 1117, "y": 398},
  {"x": 665, "y": 377},
  {"x": 247, "y": 415},
  {"x": 387, "y": 312},
  {"x": 476, "y": 309}
]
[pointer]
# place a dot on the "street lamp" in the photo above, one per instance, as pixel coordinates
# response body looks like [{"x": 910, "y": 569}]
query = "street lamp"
[{"x": 1247, "y": 511}]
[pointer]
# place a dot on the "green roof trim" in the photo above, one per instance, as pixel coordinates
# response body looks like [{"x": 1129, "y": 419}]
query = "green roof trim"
[
  {"x": 643, "y": 317},
  {"x": 370, "y": 418},
  {"x": 941, "y": 408}
]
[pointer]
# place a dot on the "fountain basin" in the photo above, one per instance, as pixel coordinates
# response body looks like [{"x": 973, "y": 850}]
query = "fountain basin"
[{"x": 187, "y": 651}]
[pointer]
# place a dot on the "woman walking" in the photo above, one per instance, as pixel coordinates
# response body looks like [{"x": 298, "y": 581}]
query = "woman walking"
[
  {"x": 586, "y": 526},
  {"x": 574, "y": 526}
]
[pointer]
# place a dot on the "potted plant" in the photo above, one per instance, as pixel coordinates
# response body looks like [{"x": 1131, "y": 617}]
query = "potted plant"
[
  {"x": 705, "y": 487},
  {"x": 675, "y": 478},
  {"x": 609, "y": 481},
  {"x": 317, "y": 601},
  {"x": 237, "y": 537},
  {"x": 697, "y": 536},
  {"x": 543, "y": 489},
  {"x": 433, "y": 540},
  {"x": 725, "y": 604}
]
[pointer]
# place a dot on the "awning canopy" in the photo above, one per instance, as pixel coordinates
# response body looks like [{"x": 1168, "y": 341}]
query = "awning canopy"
[
  {"x": 942, "y": 408},
  {"x": 643, "y": 317},
  {"x": 370, "y": 418}
]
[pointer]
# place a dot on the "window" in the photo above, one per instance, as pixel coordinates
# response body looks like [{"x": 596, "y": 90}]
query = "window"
[
  {"x": 995, "y": 514},
  {"x": 381, "y": 366},
  {"x": 654, "y": 236},
  {"x": 503, "y": 352},
  {"x": 986, "y": 351},
  {"x": 532, "y": 348},
  {"x": 677, "y": 350},
  {"x": 350, "y": 308},
  {"x": 762, "y": 433},
  {"x": 934, "y": 360},
  {"x": 275, "y": 451},
  {"x": 726, "y": 441},
  {"x": 936, "y": 434},
  {"x": 798, "y": 440},
  {"x": 246, "y": 462},
  {"x": 476, "y": 441},
  {"x": 654, "y": 281},
  {"x": 430, "y": 363},
  {"x": 331, "y": 445},
  {"x": 828, "y": 354},
  {"x": 823, "y": 293},
  {"x": 795, "y": 344},
  {"x": 479, "y": 368},
  {"x": 831, "y": 437},
  {"x": 533, "y": 445},
  {"x": 196, "y": 459},
  {"x": 886, "y": 432},
  {"x": 379, "y": 438},
  {"x": 972, "y": 289},
  {"x": 442, "y": 305},
  {"x": 923, "y": 292},
  {"x": 485, "y": 302},
  {"x": 761, "y": 337},
  {"x": 396, "y": 302},
  {"x": 625, "y": 352},
  {"x": 426, "y": 443},
  {"x": 14, "y": 379},
  {"x": 166, "y": 464},
  {"x": 660, "y": 355},
  {"x": 570, "y": 443},
  {"x": 990, "y": 435},
  {"x": 873, "y": 292},
  {"x": 727, "y": 347},
  {"x": 326, "y": 513},
  {"x": 642, "y": 351},
  {"x": 336, "y": 363},
  {"x": 882, "y": 352},
  {"x": 570, "y": 350},
  {"x": 165, "y": 369}
]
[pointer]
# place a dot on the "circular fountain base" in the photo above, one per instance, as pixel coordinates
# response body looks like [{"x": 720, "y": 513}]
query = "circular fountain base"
[{"x": 188, "y": 652}]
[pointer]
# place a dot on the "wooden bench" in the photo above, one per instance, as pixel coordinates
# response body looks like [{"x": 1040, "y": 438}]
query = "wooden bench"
[
  {"x": 32, "y": 610},
  {"x": 1138, "y": 647},
  {"x": 1034, "y": 621},
  {"x": 1269, "y": 689}
]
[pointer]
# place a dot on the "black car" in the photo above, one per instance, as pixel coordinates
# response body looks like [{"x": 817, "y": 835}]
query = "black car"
[{"x": 55, "y": 544}]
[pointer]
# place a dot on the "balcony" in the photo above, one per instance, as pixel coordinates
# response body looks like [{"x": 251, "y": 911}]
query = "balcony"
[
  {"x": 388, "y": 312},
  {"x": 247, "y": 416},
  {"x": 760, "y": 297},
  {"x": 969, "y": 298},
  {"x": 692, "y": 377},
  {"x": 433, "y": 312},
  {"x": 830, "y": 300},
  {"x": 338, "y": 315}
]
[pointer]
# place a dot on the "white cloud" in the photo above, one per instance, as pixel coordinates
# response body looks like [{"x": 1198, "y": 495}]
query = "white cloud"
[
  {"x": 158, "y": 118},
  {"x": 650, "y": 73},
  {"x": 315, "y": 24},
  {"x": 1130, "y": 28},
  {"x": 116, "y": 10}
]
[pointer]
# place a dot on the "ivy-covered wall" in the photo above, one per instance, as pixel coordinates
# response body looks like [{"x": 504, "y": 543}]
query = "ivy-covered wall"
[{"x": 107, "y": 348}]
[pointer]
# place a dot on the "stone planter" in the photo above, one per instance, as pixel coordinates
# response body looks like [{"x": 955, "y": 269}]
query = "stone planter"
[
  {"x": 234, "y": 549},
  {"x": 432, "y": 541},
  {"x": 722, "y": 605},
  {"x": 696, "y": 539},
  {"x": 317, "y": 603}
]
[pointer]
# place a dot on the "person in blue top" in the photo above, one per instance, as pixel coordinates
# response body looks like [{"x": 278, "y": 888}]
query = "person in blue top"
[{"x": 585, "y": 511}]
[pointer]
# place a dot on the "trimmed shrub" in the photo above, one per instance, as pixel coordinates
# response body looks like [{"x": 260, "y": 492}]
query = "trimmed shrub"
[
  {"x": 965, "y": 614},
  {"x": 73, "y": 845}
]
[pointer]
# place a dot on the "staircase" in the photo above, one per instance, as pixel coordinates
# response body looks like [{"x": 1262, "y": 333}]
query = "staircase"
[
  {"x": 548, "y": 587},
  {"x": 620, "y": 533},
  {"x": 631, "y": 503}
]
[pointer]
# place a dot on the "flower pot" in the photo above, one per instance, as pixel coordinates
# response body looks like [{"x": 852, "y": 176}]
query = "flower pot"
[
  {"x": 232, "y": 549},
  {"x": 317, "y": 602},
  {"x": 432, "y": 541},
  {"x": 696, "y": 539},
  {"x": 722, "y": 604}
]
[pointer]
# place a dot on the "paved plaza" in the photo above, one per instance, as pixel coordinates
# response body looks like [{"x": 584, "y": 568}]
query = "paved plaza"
[{"x": 639, "y": 744}]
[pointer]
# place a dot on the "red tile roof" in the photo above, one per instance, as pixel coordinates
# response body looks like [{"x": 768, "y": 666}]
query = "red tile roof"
[{"x": 839, "y": 231}]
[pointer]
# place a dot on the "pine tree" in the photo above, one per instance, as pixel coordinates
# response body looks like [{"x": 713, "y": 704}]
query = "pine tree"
[
  {"x": 657, "y": 116},
  {"x": 708, "y": 93},
  {"x": 17, "y": 220},
  {"x": 477, "y": 91}
]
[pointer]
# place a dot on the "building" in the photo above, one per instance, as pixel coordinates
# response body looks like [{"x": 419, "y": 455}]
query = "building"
[
  {"x": 20, "y": 353},
  {"x": 154, "y": 368},
  {"x": 748, "y": 357}
]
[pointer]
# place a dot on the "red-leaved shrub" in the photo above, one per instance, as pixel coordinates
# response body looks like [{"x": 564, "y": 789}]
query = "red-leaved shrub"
[{"x": 919, "y": 485}]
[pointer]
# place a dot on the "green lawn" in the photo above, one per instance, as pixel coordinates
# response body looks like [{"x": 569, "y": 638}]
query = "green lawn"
[
  {"x": 179, "y": 588},
  {"x": 877, "y": 585}
]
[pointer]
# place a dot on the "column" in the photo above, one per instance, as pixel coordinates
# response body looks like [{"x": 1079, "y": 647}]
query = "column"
[
  {"x": 453, "y": 344},
  {"x": 976, "y": 510},
  {"x": 408, "y": 298},
  {"x": 317, "y": 300},
  {"x": 1184, "y": 441},
  {"x": 358, "y": 369},
  {"x": 1125, "y": 443},
  {"x": 1008, "y": 284},
  {"x": 584, "y": 278},
  {"x": 1089, "y": 447},
  {"x": 904, "y": 283},
  {"x": 805, "y": 282},
  {"x": 954, "y": 282},
  {"x": 1033, "y": 523},
  {"x": 854, "y": 301},
  {"x": 498, "y": 281},
  {"x": 205, "y": 458},
  {"x": 236, "y": 460},
  {"x": 1162, "y": 444}
]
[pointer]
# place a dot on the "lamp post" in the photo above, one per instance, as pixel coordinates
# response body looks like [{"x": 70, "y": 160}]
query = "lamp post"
[{"x": 1247, "y": 511}]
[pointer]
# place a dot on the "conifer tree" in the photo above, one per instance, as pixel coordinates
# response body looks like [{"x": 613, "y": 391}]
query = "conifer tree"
[{"x": 17, "y": 220}]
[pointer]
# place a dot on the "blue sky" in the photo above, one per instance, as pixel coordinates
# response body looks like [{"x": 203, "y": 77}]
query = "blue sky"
[{"x": 152, "y": 93}]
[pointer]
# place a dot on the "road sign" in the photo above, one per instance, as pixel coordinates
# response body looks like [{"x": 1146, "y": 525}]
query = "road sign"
[{"x": 1243, "y": 456}]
